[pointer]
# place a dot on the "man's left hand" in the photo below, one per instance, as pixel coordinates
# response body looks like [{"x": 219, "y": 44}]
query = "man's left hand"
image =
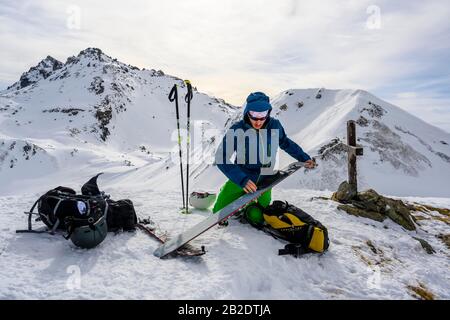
[{"x": 310, "y": 164}]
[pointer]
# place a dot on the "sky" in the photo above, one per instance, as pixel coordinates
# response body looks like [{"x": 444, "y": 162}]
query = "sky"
[{"x": 397, "y": 50}]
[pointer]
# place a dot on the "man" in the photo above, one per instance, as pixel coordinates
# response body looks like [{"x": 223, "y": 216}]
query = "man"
[{"x": 253, "y": 156}]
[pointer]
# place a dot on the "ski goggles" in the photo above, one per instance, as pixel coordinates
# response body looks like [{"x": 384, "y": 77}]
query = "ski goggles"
[{"x": 258, "y": 116}]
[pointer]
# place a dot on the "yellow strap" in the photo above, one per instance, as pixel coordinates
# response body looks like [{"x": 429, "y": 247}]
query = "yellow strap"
[
  {"x": 276, "y": 223},
  {"x": 295, "y": 220}
]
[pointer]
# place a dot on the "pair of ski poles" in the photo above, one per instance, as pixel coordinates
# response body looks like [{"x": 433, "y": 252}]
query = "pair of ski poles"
[{"x": 173, "y": 96}]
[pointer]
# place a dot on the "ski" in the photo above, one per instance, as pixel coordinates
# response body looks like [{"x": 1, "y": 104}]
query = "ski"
[
  {"x": 184, "y": 251},
  {"x": 267, "y": 182}
]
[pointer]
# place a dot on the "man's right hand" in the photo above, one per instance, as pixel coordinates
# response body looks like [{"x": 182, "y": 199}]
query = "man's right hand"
[
  {"x": 310, "y": 164},
  {"x": 250, "y": 187}
]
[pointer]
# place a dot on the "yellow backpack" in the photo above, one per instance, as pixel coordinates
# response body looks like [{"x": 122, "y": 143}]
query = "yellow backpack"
[{"x": 287, "y": 222}]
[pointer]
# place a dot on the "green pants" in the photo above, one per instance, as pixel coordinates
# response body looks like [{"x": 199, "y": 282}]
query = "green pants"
[{"x": 231, "y": 191}]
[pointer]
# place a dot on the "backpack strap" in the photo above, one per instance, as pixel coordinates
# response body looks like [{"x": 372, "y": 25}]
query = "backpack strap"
[
  {"x": 30, "y": 216},
  {"x": 295, "y": 249}
]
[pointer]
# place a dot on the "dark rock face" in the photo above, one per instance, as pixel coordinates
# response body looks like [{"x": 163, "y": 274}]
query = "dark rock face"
[
  {"x": 93, "y": 53},
  {"x": 333, "y": 150},
  {"x": 97, "y": 86},
  {"x": 104, "y": 116},
  {"x": 24, "y": 82},
  {"x": 362, "y": 122},
  {"x": 374, "y": 110}
]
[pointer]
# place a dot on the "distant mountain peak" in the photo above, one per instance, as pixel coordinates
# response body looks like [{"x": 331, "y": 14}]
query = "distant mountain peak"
[
  {"x": 91, "y": 51},
  {"x": 41, "y": 71},
  {"x": 91, "y": 54},
  {"x": 94, "y": 54}
]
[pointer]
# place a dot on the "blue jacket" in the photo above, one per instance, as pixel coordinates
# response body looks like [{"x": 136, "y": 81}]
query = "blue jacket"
[{"x": 240, "y": 173}]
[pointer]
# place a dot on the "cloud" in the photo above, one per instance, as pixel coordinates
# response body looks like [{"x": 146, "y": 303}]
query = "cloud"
[
  {"x": 406, "y": 95},
  {"x": 229, "y": 48}
]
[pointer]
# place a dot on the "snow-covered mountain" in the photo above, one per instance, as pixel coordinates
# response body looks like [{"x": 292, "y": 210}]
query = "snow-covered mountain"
[
  {"x": 94, "y": 113},
  {"x": 403, "y": 155},
  {"x": 61, "y": 123}
]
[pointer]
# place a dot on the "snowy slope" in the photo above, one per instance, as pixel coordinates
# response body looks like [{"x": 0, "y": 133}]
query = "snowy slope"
[
  {"x": 403, "y": 155},
  {"x": 241, "y": 262}
]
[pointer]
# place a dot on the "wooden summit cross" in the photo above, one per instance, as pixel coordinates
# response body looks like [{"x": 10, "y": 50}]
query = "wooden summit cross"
[{"x": 352, "y": 151}]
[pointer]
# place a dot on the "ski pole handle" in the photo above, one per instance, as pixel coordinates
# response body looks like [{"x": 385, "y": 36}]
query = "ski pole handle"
[
  {"x": 173, "y": 93},
  {"x": 189, "y": 94}
]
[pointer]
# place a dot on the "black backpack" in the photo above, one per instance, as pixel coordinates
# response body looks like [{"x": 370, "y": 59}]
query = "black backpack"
[
  {"x": 121, "y": 215},
  {"x": 62, "y": 209},
  {"x": 85, "y": 217},
  {"x": 304, "y": 233}
]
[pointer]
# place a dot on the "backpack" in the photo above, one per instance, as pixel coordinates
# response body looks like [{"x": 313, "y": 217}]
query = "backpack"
[
  {"x": 86, "y": 218},
  {"x": 304, "y": 233},
  {"x": 62, "y": 209},
  {"x": 82, "y": 216},
  {"x": 121, "y": 215}
]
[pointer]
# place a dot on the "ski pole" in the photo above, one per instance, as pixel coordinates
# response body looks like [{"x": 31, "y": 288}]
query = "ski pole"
[
  {"x": 188, "y": 99},
  {"x": 173, "y": 96}
]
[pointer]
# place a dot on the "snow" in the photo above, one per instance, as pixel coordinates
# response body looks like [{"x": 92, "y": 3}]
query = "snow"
[
  {"x": 241, "y": 262},
  {"x": 51, "y": 135}
]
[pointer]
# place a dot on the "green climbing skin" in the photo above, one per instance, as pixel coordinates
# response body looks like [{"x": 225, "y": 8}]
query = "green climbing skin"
[{"x": 231, "y": 192}]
